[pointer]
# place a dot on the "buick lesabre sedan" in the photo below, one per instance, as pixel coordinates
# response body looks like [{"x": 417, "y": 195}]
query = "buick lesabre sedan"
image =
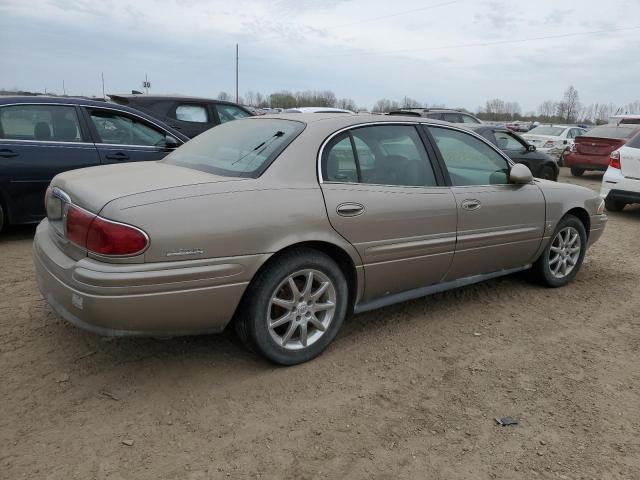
[{"x": 283, "y": 226}]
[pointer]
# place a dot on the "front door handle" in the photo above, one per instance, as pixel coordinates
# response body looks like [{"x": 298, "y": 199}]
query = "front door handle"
[
  {"x": 6, "y": 153},
  {"x": 471, "y": 204},
  {"x": 118, "y": 156},
  {"x": 350, "y": 209}
]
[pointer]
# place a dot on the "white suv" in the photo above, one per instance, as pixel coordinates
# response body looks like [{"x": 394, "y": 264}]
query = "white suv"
[{"x": 621, "y": 181}]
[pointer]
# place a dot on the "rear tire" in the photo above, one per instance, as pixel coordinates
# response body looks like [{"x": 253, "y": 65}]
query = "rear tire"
[
  {"x": 562, "y": 258},
  {"x": 294, "y": 307},
  {"x": 614, "y": 205},
  {"x": 576, "y": 172}
]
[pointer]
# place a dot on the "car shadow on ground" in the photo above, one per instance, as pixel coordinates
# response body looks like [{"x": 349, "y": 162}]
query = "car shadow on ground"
[{"x": 16, "y": 233}]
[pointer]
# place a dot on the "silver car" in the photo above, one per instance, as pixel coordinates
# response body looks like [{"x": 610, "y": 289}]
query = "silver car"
[{"x": 284, "y": 225}]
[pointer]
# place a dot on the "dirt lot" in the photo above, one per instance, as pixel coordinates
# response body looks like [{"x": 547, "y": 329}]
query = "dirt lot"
[{"x": 410, "y": 391}]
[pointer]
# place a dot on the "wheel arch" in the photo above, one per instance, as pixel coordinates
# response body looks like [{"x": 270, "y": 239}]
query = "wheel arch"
[{"x": 582, "y": 215}]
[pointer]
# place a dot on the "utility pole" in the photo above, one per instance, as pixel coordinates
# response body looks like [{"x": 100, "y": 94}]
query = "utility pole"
[
  {"x": 237, "y": 96},
  {"x": 64, "y": 90},
  {"x": 102, "y": 76}
]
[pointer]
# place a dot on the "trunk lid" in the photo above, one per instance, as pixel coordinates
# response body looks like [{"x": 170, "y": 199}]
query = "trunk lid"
[
  {"x": 92, "y": 188},
  {"x": 537, "y": 140},
  {"x": 597, "y": 146}
]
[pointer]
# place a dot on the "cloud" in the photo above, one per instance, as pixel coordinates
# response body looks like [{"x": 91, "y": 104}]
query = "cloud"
[{"x": 438, "y": 52}]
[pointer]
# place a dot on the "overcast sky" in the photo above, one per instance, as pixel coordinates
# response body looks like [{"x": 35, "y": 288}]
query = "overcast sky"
[{"x": 457, "y": 53}]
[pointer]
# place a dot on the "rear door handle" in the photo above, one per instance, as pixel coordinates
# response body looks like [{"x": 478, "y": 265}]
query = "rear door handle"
[
  {"x": 350, "y": 209},
  {"x": 6, "y": 153},
  {"x": 118, "y": 156},
  {"x": 471, "y": 204}
]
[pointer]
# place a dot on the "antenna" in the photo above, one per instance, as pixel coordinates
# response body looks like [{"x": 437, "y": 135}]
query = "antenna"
[
  {"x": 237, "y": 97},
  {"x": 102, "y": 75}
]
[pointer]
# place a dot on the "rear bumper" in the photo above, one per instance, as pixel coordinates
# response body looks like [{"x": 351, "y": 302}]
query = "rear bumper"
[
  {"x": 169, "y": 298},
  {"x": 615, "y": 186},
  {"x": 586, "y": 162}
]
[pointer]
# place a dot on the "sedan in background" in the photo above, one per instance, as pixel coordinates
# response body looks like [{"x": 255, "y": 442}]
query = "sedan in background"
[
  {"x": 621, "y": 181},
  {"x": 189, "y": 115},
  {"x": 41, "y": 137},
  {"x": 518, "y": 150},
  {"x": 592, "y": 151},
  {"x": 554, "y": 140},
  {"x": 283, "y": 225}
]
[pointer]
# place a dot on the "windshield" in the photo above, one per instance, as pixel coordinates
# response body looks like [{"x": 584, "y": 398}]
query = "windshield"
[
  {"x": 550, "y": 131},
  {"x": 244, "y": 148},
  {"x": 611, "y": 131}
]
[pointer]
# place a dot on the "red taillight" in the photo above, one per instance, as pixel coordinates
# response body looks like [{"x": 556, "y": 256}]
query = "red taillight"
[
  {"x": 78, "y": 222},
  {"x": 102, "y": 236},
  {"x": 110, "y": 238},
  {"x": 573, "y": 148},
  {"x": 614, "y": 160}
]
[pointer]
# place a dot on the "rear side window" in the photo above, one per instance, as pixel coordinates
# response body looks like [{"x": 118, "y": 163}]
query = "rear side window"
[
  {"x": 452, "y": 117},
  {"x": 116, "y": 129},
  {"x": 192, "y": 113},
  {"x": 469, "y": 160},
  {"x": 384, "y": 155},
  {"x": 237, "y": 149},
  {"x": 634, "y": 142},
  {"x": 47, "y": 123},
  {"x": 226, "y": 113}
]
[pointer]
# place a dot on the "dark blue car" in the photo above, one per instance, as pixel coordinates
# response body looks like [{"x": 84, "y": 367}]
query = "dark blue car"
[{"x": 43, "y": 136}]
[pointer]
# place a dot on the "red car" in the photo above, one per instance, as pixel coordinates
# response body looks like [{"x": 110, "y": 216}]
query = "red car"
[{"x": 591, "y": 151}]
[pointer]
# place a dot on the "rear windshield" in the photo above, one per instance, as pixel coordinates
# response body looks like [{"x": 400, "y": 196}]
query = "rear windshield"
[
  {"x": 244, "y": 148},
  {"x": 611, "y": 131},
  {"x": 551, "y": 131}
]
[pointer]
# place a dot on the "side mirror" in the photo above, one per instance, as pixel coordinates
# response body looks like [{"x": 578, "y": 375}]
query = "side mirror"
[
  {"x": 520, "y": 174},
  {"x": 170, "y": 142},
  {"x": 531, "y": 148},
  {"x": 565, "y": 142}
]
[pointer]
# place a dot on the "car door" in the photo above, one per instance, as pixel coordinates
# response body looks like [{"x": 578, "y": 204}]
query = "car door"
[
  {"x": 191, "y": 118},
  {"x": 38, "y": 141},
  {"x": 384, "y": 196},
  {"x": 500, "y": 225},
  {"x": 124, "y": 137}
]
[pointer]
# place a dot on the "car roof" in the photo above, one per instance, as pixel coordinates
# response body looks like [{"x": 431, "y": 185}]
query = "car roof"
[
  {"x": 42, "y": 99},
  {"x": 481, "y": 127},
  {"x": 317, "y": 110},
  {"x": 345, "y": 119},
  {"x": 135, "y": 96}
]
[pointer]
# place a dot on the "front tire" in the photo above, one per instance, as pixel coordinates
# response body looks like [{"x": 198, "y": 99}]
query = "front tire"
[
  {"x": 548, "y": 173},
  {"x": 576, "y": 172},
  {"x": 614, "y": 205},
  {"x": 294, "y": 307},
  {"x": 561, "y": 260}
]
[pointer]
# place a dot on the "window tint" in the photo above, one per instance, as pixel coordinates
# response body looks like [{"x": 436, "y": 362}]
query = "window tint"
[
  {"x": 226, "y": 113},
  {"x": 392, "y": 155},
  {"x": 469, "y": 160},
  {"x": 122, "y": 130},
  {"x": 550, "y": 131},
  {"x": 452, "y": 117},
  {"x": 237, "y": 149},
  {"x": 55, "y": 123},
  {"x": 469, "y": 119},
  {"x": 612, "y": 131},
  {"x": 192, "y": 113},
  {"x": 340, "y": 162},
  {"x": 506, "y": 141},
  {"x": 435, "y": 116}
]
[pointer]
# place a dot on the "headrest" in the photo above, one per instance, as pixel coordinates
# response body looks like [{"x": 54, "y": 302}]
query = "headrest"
[
  {"x": 66, "y": 130},
  {"x": 42, "y": 131}
]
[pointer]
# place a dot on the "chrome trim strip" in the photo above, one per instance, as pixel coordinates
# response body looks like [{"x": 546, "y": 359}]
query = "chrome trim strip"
[
  {"x": 19, "y": 140},
  {"x": 406, "y": 122},
  {"x": 431, "y": 289}
]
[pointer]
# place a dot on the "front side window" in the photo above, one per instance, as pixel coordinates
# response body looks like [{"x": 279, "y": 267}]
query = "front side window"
[
  {"x": 469, "y": 160},
  {"x": 226, "y": 113},
  {"x": 237, "y": 149},
  {"x": 385, "y": 155},
  {"x": 48, "y": 123},
  {"x": 192, "y": 113},
  {"x": 506, "y": 141},
  {"x": 116, "y": 129}
]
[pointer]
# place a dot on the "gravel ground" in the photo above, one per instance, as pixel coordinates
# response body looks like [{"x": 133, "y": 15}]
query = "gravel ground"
[{"x": 409, "y": 391}]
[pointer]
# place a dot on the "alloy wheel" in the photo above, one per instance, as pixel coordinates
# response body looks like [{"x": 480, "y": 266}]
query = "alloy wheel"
[
  {"x": 301, "y": 309},
  {"x": 564, "y": 252}
]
